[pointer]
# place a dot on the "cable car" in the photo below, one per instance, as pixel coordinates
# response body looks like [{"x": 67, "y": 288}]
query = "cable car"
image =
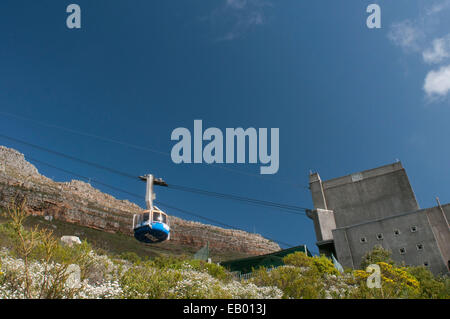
[{"x": 152, "y": 225}]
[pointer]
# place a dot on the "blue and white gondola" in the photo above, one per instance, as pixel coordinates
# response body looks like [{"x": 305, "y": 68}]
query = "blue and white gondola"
[{"x": 151, "y": 226}]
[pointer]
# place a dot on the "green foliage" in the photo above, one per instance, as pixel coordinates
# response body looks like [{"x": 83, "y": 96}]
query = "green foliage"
[
  {"x": 325, "y": 266},
  {"x": 396, "y": 282},
  {"x": 37, "y": 244},
  {"x": 295, "y": 282},
  {"x": 131, "y": 256},
  {"x": 216, "y": 271},
  {"x": 298, "y": 259},
  {"x": 168, "y": 262},
  {"x": 430, "y": 286},
  {"x": 321, "y": 264},
  {"x": 377, "y": 254},
  {"x": 178, "y": 263},
  {"x": 144, "y": 282},
  {"x": 302, "y": 277},
  {"x": 39, "y": 254}
]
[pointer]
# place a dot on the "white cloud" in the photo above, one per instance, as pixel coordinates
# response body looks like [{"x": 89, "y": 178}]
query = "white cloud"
[
  {"x": 438, "y": 7},
  {"x": 405, "y": 35},
  {"x": 236, "y": 4},
  {"x": 239, "y": 17},
  {"x": 437, "y": 83},
  {"x": 420, "y": 35},
  {"x": 439, "y": 52}
]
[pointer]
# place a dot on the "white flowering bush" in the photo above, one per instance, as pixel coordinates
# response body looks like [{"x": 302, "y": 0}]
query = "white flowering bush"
[
  {"x": 305, "y": 278},
  {"x": 54, "y": 275},
  {"x": 183, "y": 281},
  {"x": 202, "y": 285},
  {"x": 36, "y": 265}
]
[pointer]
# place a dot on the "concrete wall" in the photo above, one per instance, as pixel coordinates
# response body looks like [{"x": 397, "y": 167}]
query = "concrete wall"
[
  {"x": 372, "y": 194},
  {"x": 438, "y": 218},
  {"x": 378, "y": 202},
  {"x": 350, "y": 247},
  {"x": 323, "y": 223}
]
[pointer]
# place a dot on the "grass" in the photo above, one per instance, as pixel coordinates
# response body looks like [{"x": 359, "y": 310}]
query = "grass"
[{"x": 118, "y": 244}]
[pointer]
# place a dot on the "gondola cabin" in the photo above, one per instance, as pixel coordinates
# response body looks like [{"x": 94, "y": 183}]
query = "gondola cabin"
[{"x": 151, "y": 226}]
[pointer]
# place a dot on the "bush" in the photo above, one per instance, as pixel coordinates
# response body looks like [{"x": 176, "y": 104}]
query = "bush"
[
  {"x": 325, "y": 266},
  {"x": 376, "y": 255},
  {"x": 294, "y": 282},
  {"x": 322, "y": 264},
  {"x": 131, "y": 256},
  {"x": 146, "y": 282},
  {"x": 396, "y": 282},
  {"x": 298, "y": 259},
  {"x": 303, "y": 277},
  {"x": 36, "y": 265},
  {"x": 430, "y": 286}
]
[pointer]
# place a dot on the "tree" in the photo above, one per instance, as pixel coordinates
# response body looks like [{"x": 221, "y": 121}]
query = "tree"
[{"x": 378, "y": 254}]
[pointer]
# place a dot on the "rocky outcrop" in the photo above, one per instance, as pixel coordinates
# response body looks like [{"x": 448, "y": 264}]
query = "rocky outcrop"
[{"x": 78, "y": 202}]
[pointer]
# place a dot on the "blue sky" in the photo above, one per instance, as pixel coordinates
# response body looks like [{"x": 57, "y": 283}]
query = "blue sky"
[{"x": 345, "y": 98}]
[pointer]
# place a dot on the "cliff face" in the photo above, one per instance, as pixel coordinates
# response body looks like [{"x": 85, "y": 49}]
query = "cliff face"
[{"x": 78, "y": 202}]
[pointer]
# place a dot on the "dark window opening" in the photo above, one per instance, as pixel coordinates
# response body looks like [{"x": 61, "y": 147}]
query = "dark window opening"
[
  {"x": 380, "y": 236},
  {"x": 402, "y": 251},
  {"x": 396, "y": 232},
  {"x": 413, "y": 229},
  {"x": 419, "y": 247},
  {"x": 363, "y": 240},
  {"x": 426, "y": 264},
  {"x": 146, "y": 217},
  {"x": 158, "y": 217}
]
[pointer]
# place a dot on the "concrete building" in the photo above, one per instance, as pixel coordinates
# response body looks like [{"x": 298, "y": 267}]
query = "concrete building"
[{"x": 354, "y": 213}]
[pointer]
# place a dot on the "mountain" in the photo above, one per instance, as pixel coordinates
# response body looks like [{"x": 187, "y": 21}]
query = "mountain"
[{"x": 78, "y": 207}]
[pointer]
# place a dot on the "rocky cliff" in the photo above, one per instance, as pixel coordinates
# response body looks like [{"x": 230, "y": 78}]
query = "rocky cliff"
[{"x": 78, "y": 202}]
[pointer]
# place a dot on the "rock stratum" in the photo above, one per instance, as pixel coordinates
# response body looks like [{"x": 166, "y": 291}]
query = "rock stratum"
[{"x": 79, "y": 203}]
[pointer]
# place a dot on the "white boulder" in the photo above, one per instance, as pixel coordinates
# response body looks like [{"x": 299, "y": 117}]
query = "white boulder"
[{"x": 70, "y": 240}]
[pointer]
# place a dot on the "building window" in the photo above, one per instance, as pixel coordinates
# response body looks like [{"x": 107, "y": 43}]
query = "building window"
[
  {"x": 380, "y": 236},
  {"x": 396, "y": 232},
  {"x": 426, "y": 264},
  {"x": 419, "y": 246},
  {"x": 402, "y": 251},
  {"x": 413, "y": 229},
  {"x": 363, "y": 240}
]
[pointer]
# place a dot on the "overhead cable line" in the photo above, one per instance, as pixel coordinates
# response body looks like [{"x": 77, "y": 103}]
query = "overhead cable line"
[
  {"x": 238, "y": 198},
  {"x": 141, "y": 148},
  {"x": 184, "y": 211},
  {"x": 73, "y": 158},
  {"x": 102, "y": 138},
  {"x": 285, "y": 207}
]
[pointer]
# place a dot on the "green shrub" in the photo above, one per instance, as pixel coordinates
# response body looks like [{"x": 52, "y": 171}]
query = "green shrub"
[
  {"x": 321, "y": 264},
  {"x": 325, "y": 266},
  {"x": 217, "y": 271},
  {"x": 376, "y": 255},
  {"x": 168, "y": 262},
  {"x": 146, "y": 282},
  {"x": 430, "y": 286},
  {"x": 298, "y": 259},
  {"x": 295, "y": 282},
  {"x": 131, "y": 256}
]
